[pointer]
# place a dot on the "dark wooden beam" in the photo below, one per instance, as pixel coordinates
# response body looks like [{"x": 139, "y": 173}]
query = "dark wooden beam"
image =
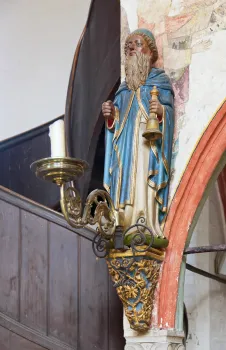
[
  {"x": 206, "y": 249},
  {"x": 205, "y": 273}
]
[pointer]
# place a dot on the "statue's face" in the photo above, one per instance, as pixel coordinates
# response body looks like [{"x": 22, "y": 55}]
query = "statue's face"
[
  {"x": 138, "y": 61},
  {"x": 137, "y": 43}
]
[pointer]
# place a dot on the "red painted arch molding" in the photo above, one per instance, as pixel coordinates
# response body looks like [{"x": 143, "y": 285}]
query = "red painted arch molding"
[{"x": 191, "y": 189}]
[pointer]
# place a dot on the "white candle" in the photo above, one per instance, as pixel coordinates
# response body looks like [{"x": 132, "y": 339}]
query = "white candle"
[{"x": 57, "y": 139}]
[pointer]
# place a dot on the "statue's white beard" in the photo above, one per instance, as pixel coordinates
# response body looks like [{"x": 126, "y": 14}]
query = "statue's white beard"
[{"x": 137, "y": 69}]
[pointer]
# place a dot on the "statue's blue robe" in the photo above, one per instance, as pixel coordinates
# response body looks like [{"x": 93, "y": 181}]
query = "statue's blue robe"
[{"x": 121, "y": 144}]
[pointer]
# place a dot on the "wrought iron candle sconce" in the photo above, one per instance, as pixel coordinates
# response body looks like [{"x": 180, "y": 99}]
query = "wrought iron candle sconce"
[{"x": 133, "y": 256}]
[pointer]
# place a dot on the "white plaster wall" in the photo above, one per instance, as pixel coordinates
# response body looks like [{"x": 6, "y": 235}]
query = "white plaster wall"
[
  {"x": 205, "y": 299},
  {"x": 207, "y": 91},
  {"x": 38, "y": 39}
]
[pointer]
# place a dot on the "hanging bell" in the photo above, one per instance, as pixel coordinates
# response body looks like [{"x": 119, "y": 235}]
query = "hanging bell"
[{"x": 152, "y": 131}]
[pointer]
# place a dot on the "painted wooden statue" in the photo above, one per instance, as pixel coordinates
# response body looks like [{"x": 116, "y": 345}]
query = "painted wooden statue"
[{"x": 137, "y": 172}]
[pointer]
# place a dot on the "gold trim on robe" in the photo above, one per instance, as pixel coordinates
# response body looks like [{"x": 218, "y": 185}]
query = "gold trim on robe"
[
  {"x": 107, "y": 188},
  {"x": 165, "y": 162},
  {"x": 154, "y": 150},
  {"x": 118, "y": 132},
  {"x": 134, "y": 156},
  {"x": 146, "y": 116},
  {"x": 119, "y": 182}
]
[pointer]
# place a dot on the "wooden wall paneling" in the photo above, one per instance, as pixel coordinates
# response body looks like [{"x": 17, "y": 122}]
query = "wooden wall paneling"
[
  {"x": 20, "y": 173},
  {"x": 42, "y": 191},
  {"x": 116, "y": 339},
  {"x": 20, "y": 343},
  {"x": 16, "y": 156},
  {"x": 63, "y": 285},
  {"x": 33, "y": 271},
  {"x": 66, "y": 299},
  {"x": 93, "y": 300},
  {"x": 32, "y": 335},
  {"x": 22, "y": 180},
  {"x": 9, "y": 247},
  {"x": 12, "y": 341},
  {"x": 4, "y": 338},
  {"x": 5, "y": 168},
  {"x": 44, "y": 212}
]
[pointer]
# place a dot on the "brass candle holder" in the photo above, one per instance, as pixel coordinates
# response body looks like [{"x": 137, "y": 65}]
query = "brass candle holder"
[
  {"x": 98, "y": 210},
  {"x": 59, "y": 170}
]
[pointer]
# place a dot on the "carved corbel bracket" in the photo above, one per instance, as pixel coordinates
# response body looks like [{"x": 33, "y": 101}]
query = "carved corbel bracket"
[{"x": 136, "y": 275}]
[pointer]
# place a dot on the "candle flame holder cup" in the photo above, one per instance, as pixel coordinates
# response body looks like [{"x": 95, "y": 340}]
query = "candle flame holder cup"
[{"x": 59, "y": 170}]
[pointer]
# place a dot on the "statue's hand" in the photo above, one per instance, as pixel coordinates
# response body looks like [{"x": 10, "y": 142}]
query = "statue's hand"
[
  {"x": 108, "y": 110},
  {"x": 156, "y": 107}
]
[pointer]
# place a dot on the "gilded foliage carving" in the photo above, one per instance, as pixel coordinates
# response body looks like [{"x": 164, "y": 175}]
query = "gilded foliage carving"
[{"x": 135, "y": 280}]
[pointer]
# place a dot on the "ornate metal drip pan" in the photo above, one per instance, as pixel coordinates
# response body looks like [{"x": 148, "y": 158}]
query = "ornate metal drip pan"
[{"x": 59, "y": 169}]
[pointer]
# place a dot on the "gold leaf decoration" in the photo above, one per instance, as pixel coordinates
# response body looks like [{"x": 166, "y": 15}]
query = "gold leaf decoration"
[{"x": 136, "y": 282}]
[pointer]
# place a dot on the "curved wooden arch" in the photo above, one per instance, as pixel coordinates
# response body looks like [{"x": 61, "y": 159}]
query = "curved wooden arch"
[{"x": 189, "y": 194}]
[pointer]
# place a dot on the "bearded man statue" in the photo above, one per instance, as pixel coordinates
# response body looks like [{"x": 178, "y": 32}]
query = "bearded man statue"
[{"x": 136, "y": 174}]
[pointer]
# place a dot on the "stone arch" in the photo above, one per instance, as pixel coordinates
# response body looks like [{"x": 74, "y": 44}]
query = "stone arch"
[{"x": 204, "y": 166}]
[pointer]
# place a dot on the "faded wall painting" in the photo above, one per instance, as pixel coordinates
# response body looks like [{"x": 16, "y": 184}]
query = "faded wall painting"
[{"x": 191, "y": 40}]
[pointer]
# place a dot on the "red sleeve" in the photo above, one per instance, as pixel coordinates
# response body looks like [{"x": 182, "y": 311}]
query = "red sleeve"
[
  {"x": 159, "y": 118},
  {"x": 110, "y": 123}
]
